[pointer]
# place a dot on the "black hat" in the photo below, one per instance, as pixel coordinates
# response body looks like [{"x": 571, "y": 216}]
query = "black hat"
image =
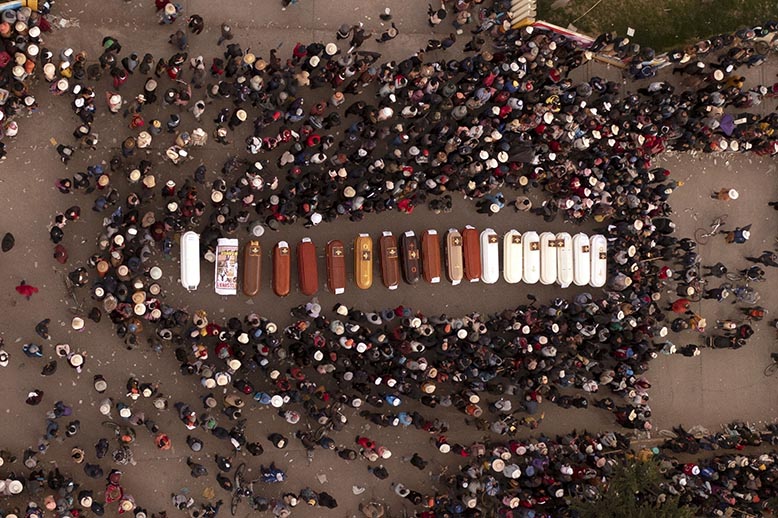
[{"x": 8, "y": 242}]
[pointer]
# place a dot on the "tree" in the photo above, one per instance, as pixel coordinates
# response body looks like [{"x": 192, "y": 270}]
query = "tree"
[{"x": 632, "y": 492}]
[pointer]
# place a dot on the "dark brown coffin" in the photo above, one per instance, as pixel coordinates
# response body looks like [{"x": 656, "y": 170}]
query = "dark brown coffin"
[
  {"x": 336, "y": 267},
  {"x": 307, "y": 267},
  {"x": 411, "y": 257},
  {"x": 390, "y": 261},
  {"x": 252, "y": 267},
  {"x": 430, "y": 256},
  {"x": 282, "y": 269},
  {"x": 471, "y": 253}
]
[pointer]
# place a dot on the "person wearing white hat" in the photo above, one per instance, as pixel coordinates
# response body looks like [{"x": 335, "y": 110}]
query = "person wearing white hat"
[
  {"x": 725, "y": 194},
  {"x": 389, "y": 34},
  {"x": 237, "y": 118},
  {"x": 77, "y": 324},
  {"x": 169, "y": 14}
]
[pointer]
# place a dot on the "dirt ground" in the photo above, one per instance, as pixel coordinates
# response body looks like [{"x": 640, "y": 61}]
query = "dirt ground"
[{"x": 714, "y": 388}]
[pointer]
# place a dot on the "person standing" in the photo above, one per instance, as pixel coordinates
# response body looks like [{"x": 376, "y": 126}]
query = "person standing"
[
  {"x": 717, "y": 270},
  {"x": 179, "y": 40},
  {"x": 358, "y": 38},
  {"x": 388, "y": 35},
  {"x": 767, "y": 258},
  {"x": 226, "y": 35},
  {"x": 725, "y": 194},
  {"x": 738, "y": 236},
  {"x": 196, "y": 23},
  {"x": 26, "y": 290}
]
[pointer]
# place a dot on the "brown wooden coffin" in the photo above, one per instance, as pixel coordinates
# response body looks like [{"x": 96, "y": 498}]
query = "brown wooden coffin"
[
  {"x": 307, "y": 267},
  {"x": 411, "y": 257},
  {"x": 454, "y": 262},
  {"x": 471, "y": 253},
  {"x": 430, "y": 256},
  {"x": 252, "y": 267},
  {"x": 282, "y": 269},
  {"x": 390, "y": 260},
  {"x": 336, "y": 267},
  {"x": 363, "y": 261}
]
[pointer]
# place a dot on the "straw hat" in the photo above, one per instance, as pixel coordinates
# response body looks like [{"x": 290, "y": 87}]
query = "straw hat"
[
  {"x": 105, "y": 407},
  {"x": 100, "y": 385},
  {"x": 49, "y": 70},
  {"x": 331, "y": 49},
  {"x": 222, "y": 379},
  {"x": 241, "y": 115},
  {"x": 733, "y": 194},
  {"x": 76, "y": 360},
  {"x": 77, "y": 323},
  {"x": 139, "y": 297},
  {"x": 15, "y": 487},
  {"x": 170, "y": 9}
]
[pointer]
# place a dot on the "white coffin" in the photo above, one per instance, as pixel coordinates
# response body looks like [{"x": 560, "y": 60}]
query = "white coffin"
[
  {"x": 582, "y": 262},
  {"x": 547, "y": 258},
  {"x": 564, "y": 259},
  {"x": 490, "y": 256},
  {"x": 190, "y": 260},
  {"x": 531, "y": 256},
  {"x": 599, "y": 257},
  {"x": 512, "y": 251}
]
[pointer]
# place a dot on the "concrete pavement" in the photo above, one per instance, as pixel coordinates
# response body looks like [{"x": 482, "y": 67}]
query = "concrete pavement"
[{"x": 716, "y": 387}]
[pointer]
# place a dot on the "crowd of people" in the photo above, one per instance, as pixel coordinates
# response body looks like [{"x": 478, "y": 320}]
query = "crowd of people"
[{"x": 502, "y": 115}]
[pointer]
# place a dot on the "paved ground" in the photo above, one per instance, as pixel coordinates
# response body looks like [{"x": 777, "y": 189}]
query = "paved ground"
[{"x": 716, "y": 387}]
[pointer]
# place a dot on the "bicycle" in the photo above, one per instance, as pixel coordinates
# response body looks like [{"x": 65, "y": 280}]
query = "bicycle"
[
  {"x": 243, "y": 488},
  {"x": 744, "y": 294},
  {"x": 702, "y": 236},
  {"x": 773, "y": 367},
  {"x": 70, "y": 289},
  {"x": 737, "y": 276}
]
